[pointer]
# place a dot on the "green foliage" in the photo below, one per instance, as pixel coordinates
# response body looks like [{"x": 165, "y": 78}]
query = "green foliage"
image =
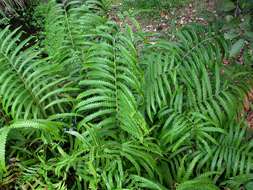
[
  {"x": 111, "y": 116},
  {"x": 31, "y": 124},
  {"x": 238, "y": 181},
  {"x": 237, "y": 27},
  {"x": 199, "y": 183},
  {"x": 151, "y": 4},
  {"x": 29, "y": 84}
]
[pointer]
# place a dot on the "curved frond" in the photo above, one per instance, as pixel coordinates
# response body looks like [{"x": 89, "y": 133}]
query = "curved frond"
[
  {"x": 69, "y": 30},
  {"x": 29, "y": 85},
  {"x": 112, "y": 87},
  {"x": 50, "y": 127}
]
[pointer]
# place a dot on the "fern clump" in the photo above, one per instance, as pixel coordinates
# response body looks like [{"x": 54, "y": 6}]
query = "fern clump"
[{"x": 111, "y": 116}]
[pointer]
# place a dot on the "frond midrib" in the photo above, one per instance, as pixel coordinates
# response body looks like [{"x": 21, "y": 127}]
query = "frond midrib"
[{"x": 28, "y": 89}]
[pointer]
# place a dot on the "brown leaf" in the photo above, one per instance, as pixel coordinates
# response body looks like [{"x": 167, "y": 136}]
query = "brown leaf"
[
  {"x": 250, "y": 96},
  {"x": 246, "y": 104},
  {"x": 225, "y": 61},
  {"x": 250, "y": 119}
]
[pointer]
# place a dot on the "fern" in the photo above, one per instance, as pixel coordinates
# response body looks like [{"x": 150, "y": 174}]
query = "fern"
[
  {"x": 145, "y": 183},
  {"x": 238, "y": 181},
  {"x": 165, "y": 117},
  {"x": 118, "y": 157},
  {"x": 193, "y": 101},
  {"x": 3, "y": 132},
  {"x": 69, "y": 32},
  {"x": 28, "y": 83},
  {"x": 113, "y": 87},
  {"x": 35, "y": 124},
  {"x": 198, "y": 184},
  {"x": 232, "y": 155}
]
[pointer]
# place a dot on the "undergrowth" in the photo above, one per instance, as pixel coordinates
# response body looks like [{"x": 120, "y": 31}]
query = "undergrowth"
[{"x": 85, "y": 109}]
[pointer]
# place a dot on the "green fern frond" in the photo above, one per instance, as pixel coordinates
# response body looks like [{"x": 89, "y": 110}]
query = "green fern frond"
[
  {"x": 160, "y": 77},
  {"x": 50, "y": 127},
  {"x": 192, "y": 65},
  {"x": 3, "y": 135},
  {"x": 236, "y": 182},
  {"x": 180, "y": 129},
  {"x": 105, "y": 158},
  {"x": 112, "y": 86},
  {"x": 198, "y": 184},
  {"x": 232, "y": 155},
  {"x": 142, "y": 182},
  {"x": 69, "y": 30},
  {"x": 29, "y": 85}
]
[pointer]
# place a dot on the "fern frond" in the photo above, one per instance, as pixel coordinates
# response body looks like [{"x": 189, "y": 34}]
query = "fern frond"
[
  {"x": 29, "y": 85},
  {"x": 108, "y": 159},
  {"x": 236, "y": 182},
  {"x": 50, "y": 127},
  {"x": 69, "y": 30},
  {"x": 3, "y": 135},
  {"x": 198, "y": 184},
  {"x": 160, "y": 77},
  {"x": 142, "y": 182},
  {"x": 181, "y": 129},
  {"x": 112, "y": 85},
  {"x": 192, "y": 65},
  {"x": 232, "y": 155}
]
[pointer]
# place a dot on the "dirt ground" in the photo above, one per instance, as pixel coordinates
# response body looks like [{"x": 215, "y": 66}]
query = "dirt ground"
[{"x": 162, "y": 20}]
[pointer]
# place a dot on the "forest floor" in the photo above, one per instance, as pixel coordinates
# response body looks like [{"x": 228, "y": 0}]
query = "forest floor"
[{"x": 163, "y": 19}]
